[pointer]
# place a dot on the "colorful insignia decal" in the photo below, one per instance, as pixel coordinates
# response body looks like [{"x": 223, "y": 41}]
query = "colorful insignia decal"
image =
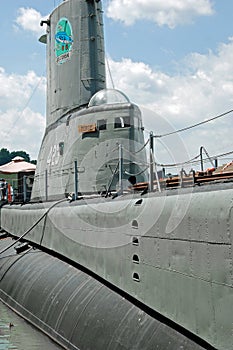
[{"x": 63, "y": 40}]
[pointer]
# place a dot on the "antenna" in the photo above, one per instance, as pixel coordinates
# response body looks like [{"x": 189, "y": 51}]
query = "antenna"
[{"x": 110, "y": 74}]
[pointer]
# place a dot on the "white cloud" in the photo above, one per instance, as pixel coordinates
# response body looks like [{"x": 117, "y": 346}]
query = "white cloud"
[
  {"x": 21, "y": 126},
  {"x": 204, "y": 87},
  {"x": 22, "y": 130},
  {"x": 169, "y": 12},
  {"x": 203, "y": 91},
  {"x": 18, "y": 88},
  {"x": 29, "y": 19}
]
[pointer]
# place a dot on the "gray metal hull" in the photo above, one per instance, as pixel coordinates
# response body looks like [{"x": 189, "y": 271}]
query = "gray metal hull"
[
  {"x": 172, "y": 253},
  {"x": 78, "y": 311},
  {"x": 168, "y": 252}
]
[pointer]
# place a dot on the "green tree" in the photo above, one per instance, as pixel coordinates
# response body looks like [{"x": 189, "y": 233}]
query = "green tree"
[
  {"x": 22, "y": 154},
  {"x": 5, "y": 156}
]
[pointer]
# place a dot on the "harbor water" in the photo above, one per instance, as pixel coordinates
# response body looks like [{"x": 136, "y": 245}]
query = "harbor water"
[{"x": 17, "y": 334}]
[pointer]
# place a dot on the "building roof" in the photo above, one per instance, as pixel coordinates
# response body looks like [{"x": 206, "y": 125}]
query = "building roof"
[
  {"x": 225, "y": 168},
  {"x": 18, "y": 164}
]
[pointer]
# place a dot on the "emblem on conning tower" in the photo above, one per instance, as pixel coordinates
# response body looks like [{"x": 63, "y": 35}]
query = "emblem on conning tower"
[{"x": 63, "y": 40}]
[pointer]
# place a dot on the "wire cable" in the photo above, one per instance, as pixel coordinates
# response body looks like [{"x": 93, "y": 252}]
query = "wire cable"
[
  {"x": 194, "y": 161},
  {"x": 34, "y": 225},
  {"x": 145, "y": 144},
  {"x": 139, "y": 173},
  {"x": 194, "y": 125},
  {"x": 110, "y": 73},
  {"x": 140, "y": 149},
  {"x": 190, "y": 161},
  {"x": 27, "y": 103}
]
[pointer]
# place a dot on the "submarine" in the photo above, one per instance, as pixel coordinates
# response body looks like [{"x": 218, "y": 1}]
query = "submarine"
[{"x": 107, "y": 255}]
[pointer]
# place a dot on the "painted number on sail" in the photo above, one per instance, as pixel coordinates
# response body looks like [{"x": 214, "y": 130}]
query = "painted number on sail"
[{"x": 54, "y": 154}]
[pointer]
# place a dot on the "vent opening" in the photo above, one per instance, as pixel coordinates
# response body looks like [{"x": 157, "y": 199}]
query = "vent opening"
[
  {"x": 139, "y": 202},
  {"x": 136, "y": 259},
  {"x": 135, "y": 241},
  {"x": 136, "y": 277},
  {"x": 134, "y": 224}
]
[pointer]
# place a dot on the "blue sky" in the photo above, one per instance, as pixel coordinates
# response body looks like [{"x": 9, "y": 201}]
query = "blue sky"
[{"x": 173, "y": 58}]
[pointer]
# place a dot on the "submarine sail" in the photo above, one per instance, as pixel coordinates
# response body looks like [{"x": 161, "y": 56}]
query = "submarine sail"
[
  {"x": 86, "y": 123},
  {"x": 75, "y": 57}
]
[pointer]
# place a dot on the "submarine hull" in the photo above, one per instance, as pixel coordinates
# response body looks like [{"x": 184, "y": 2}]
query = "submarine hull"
[
  {"x": 165, "y": 251},
  {"x": 135, "y": 271},
  {"x": 76, "y": 310}
]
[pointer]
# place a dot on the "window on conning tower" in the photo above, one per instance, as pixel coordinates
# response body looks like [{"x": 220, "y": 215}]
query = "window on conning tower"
[
  {"x": 102, "y": 124},
  {"x": 122, "y": 122}
]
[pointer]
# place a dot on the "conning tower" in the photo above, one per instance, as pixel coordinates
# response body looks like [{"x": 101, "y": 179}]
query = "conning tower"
[
  {"x": 87, "y": 124},
  {"x": 75, "y": 56}
]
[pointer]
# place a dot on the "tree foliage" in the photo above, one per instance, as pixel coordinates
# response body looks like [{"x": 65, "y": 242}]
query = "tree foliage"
[
  {"x": 6, "y": 156},
  {"x": 22, "y": 154}
]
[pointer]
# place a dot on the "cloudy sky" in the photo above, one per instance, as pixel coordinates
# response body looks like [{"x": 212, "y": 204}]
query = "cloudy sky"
[{"x": 173, "y": 58}]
